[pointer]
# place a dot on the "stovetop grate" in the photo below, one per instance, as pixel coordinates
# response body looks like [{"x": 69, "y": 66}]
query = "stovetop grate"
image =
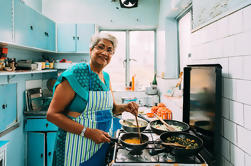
[{"x": 122, "y": 155}]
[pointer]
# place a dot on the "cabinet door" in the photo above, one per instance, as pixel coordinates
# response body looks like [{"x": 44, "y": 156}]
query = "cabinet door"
[
  {"x": 6, "y": 20},
  {"x": 8, "y": 105},
  {"x": 46, "y": 33},
  {"x": 66, "y": 37},
  {"x": 35, "y": 149},
  {"x": 50, "y": 36},
  {"x": 84, "y": 33},
  {"x": 24, "y": 25},
  {"x": 51, "y": 137}
]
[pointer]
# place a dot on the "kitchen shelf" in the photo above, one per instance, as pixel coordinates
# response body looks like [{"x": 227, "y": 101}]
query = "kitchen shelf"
[{"x": 6, "y": 73}]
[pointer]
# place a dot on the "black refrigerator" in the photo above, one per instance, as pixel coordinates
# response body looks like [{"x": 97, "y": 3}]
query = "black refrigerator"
[{"x": 202, "y": 96}]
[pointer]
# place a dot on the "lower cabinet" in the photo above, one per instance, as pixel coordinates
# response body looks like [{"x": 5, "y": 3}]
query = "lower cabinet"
[{"x": 40, "y": 143}]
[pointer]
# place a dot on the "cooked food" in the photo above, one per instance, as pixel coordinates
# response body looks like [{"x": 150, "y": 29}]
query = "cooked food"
[
  {"x": 164, "y": 128},
  {"x": 132, "y": 141},
  {"x": 189, "y": 143},
  {"x": 132, "y": 123}
]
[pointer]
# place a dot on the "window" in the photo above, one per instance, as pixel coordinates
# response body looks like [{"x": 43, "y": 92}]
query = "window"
[{"x": 134, "y": 56}]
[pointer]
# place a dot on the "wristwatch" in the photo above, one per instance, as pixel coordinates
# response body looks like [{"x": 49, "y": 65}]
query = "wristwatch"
[{"x": 83, "y": 132}]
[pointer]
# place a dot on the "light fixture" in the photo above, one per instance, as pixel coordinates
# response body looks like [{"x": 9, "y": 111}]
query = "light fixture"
[{"x": 128, "y": 3}]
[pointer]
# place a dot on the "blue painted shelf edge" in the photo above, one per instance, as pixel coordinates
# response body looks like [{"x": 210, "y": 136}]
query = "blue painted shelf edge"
[{"x": 2, "y": 143}]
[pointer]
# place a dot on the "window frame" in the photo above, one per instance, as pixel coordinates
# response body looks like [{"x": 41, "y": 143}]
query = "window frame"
[
  {"x": 178, "y": 18},
  {"x": 127, "y": 53}
]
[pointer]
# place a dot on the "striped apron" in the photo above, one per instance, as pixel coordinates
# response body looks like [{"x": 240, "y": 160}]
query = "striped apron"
[{"x": 97, "y": 115}]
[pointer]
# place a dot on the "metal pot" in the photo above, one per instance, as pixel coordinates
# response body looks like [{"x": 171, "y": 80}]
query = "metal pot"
[{"x": 129, "y": 128}]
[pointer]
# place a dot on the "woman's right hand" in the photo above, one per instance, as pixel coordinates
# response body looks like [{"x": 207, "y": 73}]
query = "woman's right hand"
[{"x": 98, "y": 136}]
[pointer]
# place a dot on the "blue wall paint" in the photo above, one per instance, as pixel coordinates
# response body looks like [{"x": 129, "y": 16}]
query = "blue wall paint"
[{"x": 16, "y": 155}]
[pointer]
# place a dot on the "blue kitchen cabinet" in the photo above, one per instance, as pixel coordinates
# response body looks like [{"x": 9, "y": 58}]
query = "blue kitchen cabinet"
[
  {"x": 84, "y": 33},
  {"x": 36, "y": 143},
  {"x": 43, "y": 133},
  {"x": 50, "y": 34},
  {"x": 74, "y": 38},
  {"x": 8, "y": 105},
  {"x": 51, "y": 137},
  {"x": 25, "y": 30},
  {"x": 6, "y": 21},
  {"x": 31, "y": 29},
  {"x": 66, "y": 37},
  {"x": 35, "y": 149},
  {"x": 46, "y": 33},
  {"x": 39, "y": 125}
]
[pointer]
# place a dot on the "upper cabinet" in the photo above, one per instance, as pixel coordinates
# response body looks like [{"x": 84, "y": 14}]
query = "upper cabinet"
[
  {"x": 6, "y": 21},
  {"x": 31, "y": 29},
  {"x": 74, "y": 38}
]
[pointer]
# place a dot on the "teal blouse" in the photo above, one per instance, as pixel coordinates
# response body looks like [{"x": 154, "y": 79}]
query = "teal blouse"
[{"x": 82, "y": 80}]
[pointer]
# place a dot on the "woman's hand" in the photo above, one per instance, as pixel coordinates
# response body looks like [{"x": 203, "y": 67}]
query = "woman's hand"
[
  {"x": 131, "y": 107},
  {"x": 98, "y": 136}
]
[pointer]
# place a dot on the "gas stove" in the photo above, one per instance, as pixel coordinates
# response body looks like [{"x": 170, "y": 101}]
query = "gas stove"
[{"x": 122, "y": 156}]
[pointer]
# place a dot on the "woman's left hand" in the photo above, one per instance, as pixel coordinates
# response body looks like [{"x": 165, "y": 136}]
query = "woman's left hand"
[{"x": 131, "y": 107}]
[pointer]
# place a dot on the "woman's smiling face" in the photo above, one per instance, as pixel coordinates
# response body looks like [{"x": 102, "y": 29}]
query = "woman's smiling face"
[{"x": 102, "y": 52}]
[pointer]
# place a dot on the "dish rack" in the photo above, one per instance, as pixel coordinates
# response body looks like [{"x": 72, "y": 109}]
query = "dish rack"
[{"x": 36, "y": 101}]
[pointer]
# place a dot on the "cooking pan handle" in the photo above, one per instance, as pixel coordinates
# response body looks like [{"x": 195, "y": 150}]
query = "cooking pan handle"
[
  {"x": 142, "y": 117},
  {"x": 114, "y": 140},
  {"x": 153, "y": 152}
]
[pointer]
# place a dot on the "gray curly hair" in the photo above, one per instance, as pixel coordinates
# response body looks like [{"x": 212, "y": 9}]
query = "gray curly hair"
[{"x": 100, "y": 36}]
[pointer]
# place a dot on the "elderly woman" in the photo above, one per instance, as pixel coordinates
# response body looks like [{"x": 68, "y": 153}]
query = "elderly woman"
[{"x": 83, "y": 105}]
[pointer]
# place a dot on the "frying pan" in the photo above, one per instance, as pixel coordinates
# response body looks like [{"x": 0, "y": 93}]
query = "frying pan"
[
  {"x": 178, "y": 151},
  {"x": 131, "y": 135},
  {"x": 185, "y": 127},
  {"x": 127, "y": 128}
]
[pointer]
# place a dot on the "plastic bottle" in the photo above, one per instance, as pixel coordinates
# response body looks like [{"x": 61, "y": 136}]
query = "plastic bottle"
[{"x": 133, "y": 82}]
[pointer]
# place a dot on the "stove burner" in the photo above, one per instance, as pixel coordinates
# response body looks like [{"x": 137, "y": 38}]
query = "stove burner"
[{"x": 135, "y": 153}]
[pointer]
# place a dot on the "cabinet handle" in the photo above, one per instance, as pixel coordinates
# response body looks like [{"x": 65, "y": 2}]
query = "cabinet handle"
[
  {"x": 31, "y": 27},
  {"x": 46, "y": 125},
  {"x": 46, "y": 34},
  {"x": 42, "y": 155},
  {"x": 78, "y": 37},
  {"x": 73, "y": 37},
  {"x": 4, "y": 106},
  {"x": 49, "y": 153}
]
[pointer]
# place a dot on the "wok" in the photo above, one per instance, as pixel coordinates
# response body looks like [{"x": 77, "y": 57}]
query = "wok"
[
  {"x": 178, "y": 151},
  {"x": 131, "y": 135},
  {"x": 142, "y": 123},
  {"x": 185, "y": 127}
]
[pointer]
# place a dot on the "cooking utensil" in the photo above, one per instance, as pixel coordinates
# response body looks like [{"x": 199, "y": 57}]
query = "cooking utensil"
[
  {"x": 167, "y": 126},
  {"x": 185, "y": 127},
  {"x": 173, "y": 144},
  {"x": 129, "y": 127},
  {"x": 140, "y": 138},
  {"x": 131, "y": 135},
  {"x": 178, "y": 151}
]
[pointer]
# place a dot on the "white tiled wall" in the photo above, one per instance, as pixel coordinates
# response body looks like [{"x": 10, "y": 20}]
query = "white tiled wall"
[{"x": 228, "y": 42}]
